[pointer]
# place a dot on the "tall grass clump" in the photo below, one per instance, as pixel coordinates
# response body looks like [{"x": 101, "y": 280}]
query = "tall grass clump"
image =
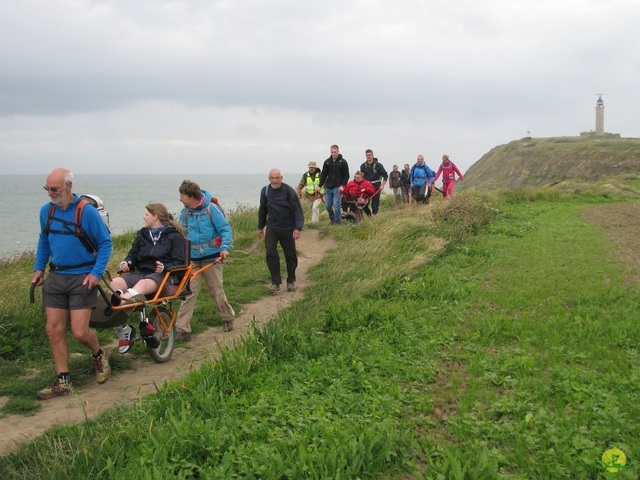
[
  {"x": 244, "y": 224},
  {"x": 462, "y": 216},
  {"x": 384, "y": 246}
]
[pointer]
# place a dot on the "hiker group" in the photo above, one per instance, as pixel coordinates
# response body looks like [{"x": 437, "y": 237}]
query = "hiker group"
[
  {"x": 331, "y": 184},
  {"x": 76, "y": 244}
]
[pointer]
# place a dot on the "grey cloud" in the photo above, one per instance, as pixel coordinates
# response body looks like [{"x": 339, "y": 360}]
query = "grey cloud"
[{"x": 139, "y": 77}]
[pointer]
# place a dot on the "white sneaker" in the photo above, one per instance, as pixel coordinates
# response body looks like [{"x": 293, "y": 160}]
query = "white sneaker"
[{"x": 125, "y": 334}]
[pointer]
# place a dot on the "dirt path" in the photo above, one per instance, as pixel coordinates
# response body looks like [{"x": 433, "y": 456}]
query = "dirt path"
[
  {"x": 129, "y": 386},
  {"x": 621, "y": 225}
]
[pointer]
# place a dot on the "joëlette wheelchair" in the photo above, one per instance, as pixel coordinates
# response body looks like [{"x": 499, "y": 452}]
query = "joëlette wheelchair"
[
  {"x": 354, "y": 207},
  {"x": 157, "y": 309}
]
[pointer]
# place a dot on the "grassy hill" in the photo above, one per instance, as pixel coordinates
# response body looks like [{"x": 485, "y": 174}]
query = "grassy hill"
[
  {"x": 462, "y": 340},
  {"x": 555, "y": 161}
]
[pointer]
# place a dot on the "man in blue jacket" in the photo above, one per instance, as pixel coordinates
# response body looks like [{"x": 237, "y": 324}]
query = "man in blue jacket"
[
  {"x": 209, "y": 232},
  {"x": 421, "y": 181},
  {"x": 281, "y": 212},
  {"x": 78, "y": 250}
]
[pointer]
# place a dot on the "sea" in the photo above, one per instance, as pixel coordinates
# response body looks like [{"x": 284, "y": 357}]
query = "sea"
[{"x": 125, "y": 196}]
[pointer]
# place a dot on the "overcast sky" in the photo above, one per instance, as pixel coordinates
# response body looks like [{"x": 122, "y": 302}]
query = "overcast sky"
[{"x": 205, "y": 86}]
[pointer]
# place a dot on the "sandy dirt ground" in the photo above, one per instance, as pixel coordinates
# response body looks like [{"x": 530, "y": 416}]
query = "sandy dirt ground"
[
  {"x": 621, "y": 224},
  {"x": 143, "y": 379}
]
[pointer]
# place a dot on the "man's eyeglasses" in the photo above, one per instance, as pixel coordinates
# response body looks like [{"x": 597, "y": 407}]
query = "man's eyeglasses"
[{"x": 47, "y": 188}]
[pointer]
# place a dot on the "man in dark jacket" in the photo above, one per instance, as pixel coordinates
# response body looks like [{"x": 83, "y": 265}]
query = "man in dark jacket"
[
  {"x": 281, "y": 212},
  {"x": 334, "y": 176},
  {"x": 375, "y": 172}
]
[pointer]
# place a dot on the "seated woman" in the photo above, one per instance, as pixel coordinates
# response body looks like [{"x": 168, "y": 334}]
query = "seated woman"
[
  {"x": 158, "y": 247},
  {"x": 357, "y": 193}
]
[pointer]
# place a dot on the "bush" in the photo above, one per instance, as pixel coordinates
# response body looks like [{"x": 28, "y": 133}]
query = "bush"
[{"x": 462, "y": 216}]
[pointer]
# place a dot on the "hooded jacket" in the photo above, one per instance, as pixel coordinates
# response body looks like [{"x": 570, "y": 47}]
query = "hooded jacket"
[
  {"x": 421, "y": 174},
  {"x": 334, "y": 174},
  {"x": 363, "y": 189},
  {"x": 206, "y": 228},
  {"x": 448, "y": 172},
  {"x": 167, "y": 247},
  {"x": 374, "y": 172}
]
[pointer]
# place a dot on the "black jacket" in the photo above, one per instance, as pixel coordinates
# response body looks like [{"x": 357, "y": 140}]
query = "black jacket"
[
  {"x": 280, "y": 209},
  {"x": 334, "y": 174},
  {"x": 168, "y": 249},
  {"x": 374, "y": 172},
  {"x": 405, "y": 178}
]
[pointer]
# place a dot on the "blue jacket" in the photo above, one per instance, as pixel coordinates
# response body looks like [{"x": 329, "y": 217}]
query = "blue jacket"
[
  {"x": 67, "y": 250},
  {"x": 207, "y": 229},
  {"x": 421, "y": 174}
]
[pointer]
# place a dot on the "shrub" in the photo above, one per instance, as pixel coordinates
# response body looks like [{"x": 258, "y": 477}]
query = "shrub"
[{"x": 462, "y": 216}]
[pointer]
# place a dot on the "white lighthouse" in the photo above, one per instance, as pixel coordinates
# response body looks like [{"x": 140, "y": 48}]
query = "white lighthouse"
[
  {"x": 599, "y": 115},
  {"x": 599, "y": 121}
]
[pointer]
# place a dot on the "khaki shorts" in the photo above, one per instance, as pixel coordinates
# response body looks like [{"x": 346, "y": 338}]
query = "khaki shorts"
[{"x": 67, "y": 292}]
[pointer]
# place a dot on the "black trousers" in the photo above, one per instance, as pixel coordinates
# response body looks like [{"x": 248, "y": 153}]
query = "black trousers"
[
  {"x": 272, "y": 237},
  {"x": 375, "y": 200},
  {"x": 419, "y": 193}
]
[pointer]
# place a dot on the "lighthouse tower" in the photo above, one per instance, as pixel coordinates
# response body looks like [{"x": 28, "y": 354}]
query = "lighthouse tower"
[{"x": 600, "y": 115}]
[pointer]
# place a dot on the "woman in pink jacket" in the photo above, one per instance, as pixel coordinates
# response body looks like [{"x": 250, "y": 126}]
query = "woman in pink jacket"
[{"x": 448, "y": 170}]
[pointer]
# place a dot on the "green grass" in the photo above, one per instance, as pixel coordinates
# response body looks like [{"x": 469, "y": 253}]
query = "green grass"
[
  {"x": 500, "y": 341},
  {"x": 549, "y": 348}
]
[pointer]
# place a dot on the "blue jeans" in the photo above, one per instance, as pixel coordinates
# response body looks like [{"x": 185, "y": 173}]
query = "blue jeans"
[{"x": 332, "y": 203}]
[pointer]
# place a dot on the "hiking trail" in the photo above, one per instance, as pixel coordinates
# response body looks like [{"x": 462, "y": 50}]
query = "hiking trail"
[{"x": 145, "y": 377}]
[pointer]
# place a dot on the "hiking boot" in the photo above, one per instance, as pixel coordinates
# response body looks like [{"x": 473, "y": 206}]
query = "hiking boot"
[
  {"x": 102, "y": 367},
  {"x": 273, "y": 289},
  {"x": 148, "y": 334},
  {"x": 182, "y": 337},
  {"x": 227, "y": 325},
  {"x": 58, "y": 388},
  {"x": 125, "y": 334},
  {"x": 291, "y": 287}
]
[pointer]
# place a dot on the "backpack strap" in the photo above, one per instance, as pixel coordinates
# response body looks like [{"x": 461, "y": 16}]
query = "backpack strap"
[
  {"x": 78, "y": 231},
  {"x": 185, "y": 223},
  {"x": 215, "y": 242}
]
